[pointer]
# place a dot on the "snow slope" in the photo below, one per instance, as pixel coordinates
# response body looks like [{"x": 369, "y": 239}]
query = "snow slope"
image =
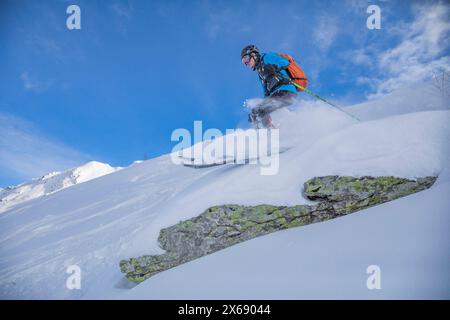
[
  {"x": 407, "y": 240},
  {"x": 119, "y": 215},
  {"x": 52, "y": 182},
  {"x": 420, "y": 97}
]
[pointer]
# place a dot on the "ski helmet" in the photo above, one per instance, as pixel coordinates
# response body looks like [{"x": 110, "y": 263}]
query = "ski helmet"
[{"x": 249, "y": 50}]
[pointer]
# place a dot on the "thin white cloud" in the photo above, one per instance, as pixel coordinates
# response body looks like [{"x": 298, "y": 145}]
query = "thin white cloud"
[
  {"x": 224, "y": 21},
  {"x": 325, "y": 32},
  {"x": 356, "y": 6},
  {"x": 360, "y": 57},
  {"x": 32, "y": 84},
  {"x": 27, "y": 153},
  {"x": 124, "y": 12},
  {"x": 414, "y": 73},
  {"x": 46, "y": 45},
  {"x": 420, "y": 51}
]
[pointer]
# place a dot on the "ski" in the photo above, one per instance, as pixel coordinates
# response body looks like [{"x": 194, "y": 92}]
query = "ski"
[{"x": 191, "y": 161}]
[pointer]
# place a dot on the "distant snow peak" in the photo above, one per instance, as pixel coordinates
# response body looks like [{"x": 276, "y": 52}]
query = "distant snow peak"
[
  {"x": 91, "y": 170},
  {"x": 53, "y": 182}
]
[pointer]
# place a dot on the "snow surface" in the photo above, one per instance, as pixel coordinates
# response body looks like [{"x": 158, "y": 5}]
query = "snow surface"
[
  {"x": 97, "y": 223},
  {"x": 408, "y": 239},
  {"x": 423, "y": 97},
  {"x": 52, "y": 182}
]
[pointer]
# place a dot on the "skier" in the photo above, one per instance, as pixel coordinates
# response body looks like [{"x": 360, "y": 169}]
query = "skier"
[{"x": 277, "y": 74}]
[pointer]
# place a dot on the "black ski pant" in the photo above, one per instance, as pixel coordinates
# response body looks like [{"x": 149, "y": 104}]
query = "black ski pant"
[{"x": 278, "y": 100}]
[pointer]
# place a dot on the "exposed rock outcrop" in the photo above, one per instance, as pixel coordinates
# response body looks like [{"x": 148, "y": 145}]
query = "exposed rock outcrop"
[{"x": 222, "y": 226}]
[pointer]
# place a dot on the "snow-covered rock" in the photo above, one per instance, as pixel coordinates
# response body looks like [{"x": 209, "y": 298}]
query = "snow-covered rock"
[
  {"x": 52, "y": 182},
  {"x": 222, "y": 226}
]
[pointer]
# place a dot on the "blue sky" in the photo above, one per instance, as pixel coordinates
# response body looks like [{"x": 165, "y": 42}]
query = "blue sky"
[{"x": 116, "y": 89}]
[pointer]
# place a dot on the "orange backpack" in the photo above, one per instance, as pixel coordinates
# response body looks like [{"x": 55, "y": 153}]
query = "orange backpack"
[{"x": 295, "y": 72}]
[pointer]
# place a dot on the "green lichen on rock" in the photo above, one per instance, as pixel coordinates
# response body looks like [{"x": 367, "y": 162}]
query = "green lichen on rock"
[
  {"x": 349, "y": 194},
  {"x": 221, "y": 226}
]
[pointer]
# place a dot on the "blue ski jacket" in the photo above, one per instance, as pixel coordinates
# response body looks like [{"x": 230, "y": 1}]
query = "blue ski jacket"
[{"x": 271, "y": 64}]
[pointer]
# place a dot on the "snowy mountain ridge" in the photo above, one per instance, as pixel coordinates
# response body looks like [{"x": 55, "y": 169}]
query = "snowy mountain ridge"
[{"x": 52, "y": 182}]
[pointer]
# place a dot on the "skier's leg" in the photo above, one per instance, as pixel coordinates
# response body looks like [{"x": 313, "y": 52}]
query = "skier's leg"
[
  {"x": 276, "y": 101},
  {"x": 251, "y": 117},
  {"x": 280, "y": 100},
  {"x": 267, "y": 122},
  {"x": 254, "y": 116}
]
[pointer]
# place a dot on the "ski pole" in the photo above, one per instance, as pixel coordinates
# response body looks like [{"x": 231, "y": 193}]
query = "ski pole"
[{"x": 322, "y": 99}]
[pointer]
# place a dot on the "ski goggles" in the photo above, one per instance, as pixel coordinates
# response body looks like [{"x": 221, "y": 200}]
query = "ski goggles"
[{"x": 246, "y": 59}]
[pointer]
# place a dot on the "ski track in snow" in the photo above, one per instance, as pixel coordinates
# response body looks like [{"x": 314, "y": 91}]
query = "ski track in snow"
[{"x": 119, "y": 215}]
